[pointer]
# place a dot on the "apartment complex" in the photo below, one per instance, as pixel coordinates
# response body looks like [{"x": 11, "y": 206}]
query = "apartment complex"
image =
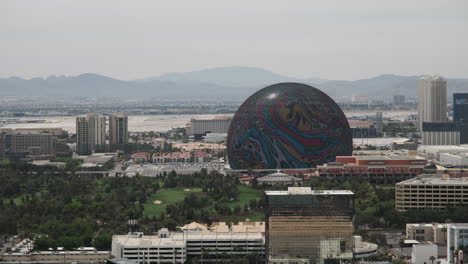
[
  {"x": 447, "y": 133},
  {"x": 376, "y": 169},
  {"x": 118, "y": 131},
  {"x": 308, "y": 226},
  {"x": 90, "y": 134},
  {"x": 195, "y": 241},
  {"x": 435, "y": 191},
  {"x": 432, "y": 96}
]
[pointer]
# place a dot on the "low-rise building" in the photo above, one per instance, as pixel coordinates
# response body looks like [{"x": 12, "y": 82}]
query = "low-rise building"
[
  {"x": 39, "y": 257},
  {"x": 362, "y": 129},
  {"x": 455, "y": 160},
  {"x": 97, "y": 159},
  {"x": 424, "y": 253},
  {"x": 376, "y": 169},
  {"x": 140, "y": 157},
  {"x": 278, "y": 178},
  {"x": 23, "y": 253},
  {"x": 444, "y": 133},
  {"x": 433, "y": 191},
  {"x": 207, "y": 244},
  {"x": 433, "y": 152},
  {"x": 172, "y": 157},
  {"x": 436, "y": 233},
  {"x": 199, "y": 127},
  {"x": 176, "y": 247},
  {"x": 159, "y": 143}
]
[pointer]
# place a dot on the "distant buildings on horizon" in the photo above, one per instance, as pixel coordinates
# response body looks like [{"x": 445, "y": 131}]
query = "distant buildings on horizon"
[{"x": 432, "y": 113}]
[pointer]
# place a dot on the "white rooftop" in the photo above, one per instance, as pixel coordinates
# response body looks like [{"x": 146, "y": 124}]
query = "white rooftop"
[
  {"x": 308, "y": 191},
  {"x": 178, "y": 239},
  {"x": 435, "y": 179}
]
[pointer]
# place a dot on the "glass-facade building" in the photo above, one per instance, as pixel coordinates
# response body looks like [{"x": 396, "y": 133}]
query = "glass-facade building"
[
  {"x": 460, "y": 115},
  {"x": 309, "y": 226},
  {"x": 460, "y": 107}
]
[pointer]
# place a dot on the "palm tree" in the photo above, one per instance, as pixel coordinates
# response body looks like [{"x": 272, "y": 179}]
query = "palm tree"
[{"x": 432, "y": 258}]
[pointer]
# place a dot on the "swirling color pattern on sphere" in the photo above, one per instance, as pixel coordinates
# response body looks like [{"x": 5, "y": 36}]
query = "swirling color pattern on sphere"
[{"x": 287, "y": 125}]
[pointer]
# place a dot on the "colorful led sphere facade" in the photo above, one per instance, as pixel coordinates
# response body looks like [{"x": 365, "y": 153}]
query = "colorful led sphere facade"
[{"x": 287, "y": 125}]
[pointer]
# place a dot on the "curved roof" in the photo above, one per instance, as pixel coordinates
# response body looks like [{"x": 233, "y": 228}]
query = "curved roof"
[{"x": 278, "y": 177}]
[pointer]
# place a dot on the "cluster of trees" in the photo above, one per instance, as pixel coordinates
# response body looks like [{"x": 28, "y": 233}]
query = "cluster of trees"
[{"x": 69, "y": 210}]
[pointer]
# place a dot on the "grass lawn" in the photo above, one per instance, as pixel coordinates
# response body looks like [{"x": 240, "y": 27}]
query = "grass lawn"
[
  {"x": 168, "y": 196},
  {"x": 173, "y": 195},
  {"x": 245, "y": 195}
]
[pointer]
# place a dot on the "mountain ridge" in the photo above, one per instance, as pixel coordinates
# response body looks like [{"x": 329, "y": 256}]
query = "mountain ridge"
[{"x": 233, "y": 82}]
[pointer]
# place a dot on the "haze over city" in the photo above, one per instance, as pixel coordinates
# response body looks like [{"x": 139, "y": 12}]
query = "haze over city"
[
  {"x": 307, "y": 39},
  {"x": 237, "y": 132}
]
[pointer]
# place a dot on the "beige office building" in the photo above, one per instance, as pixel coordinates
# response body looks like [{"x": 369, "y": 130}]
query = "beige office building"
[
  {"x": 436, "y": 233},
  {"x": 432, "y": 94},
  {"x": 435, "y": 191},
  {"x": 118, "y": 131}
]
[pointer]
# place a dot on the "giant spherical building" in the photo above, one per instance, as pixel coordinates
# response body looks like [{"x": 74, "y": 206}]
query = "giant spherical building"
[{"x": 287, "y": 125}]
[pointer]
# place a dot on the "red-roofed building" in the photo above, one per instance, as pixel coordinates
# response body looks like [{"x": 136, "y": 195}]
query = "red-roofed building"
[
  {"x": 171, "y": 157},
  {"x": 201, "y": 156},
  {"x": 140, "y": 157},
  {"x": 245, "y": 178},
  {"x": 377, "y": 169}
]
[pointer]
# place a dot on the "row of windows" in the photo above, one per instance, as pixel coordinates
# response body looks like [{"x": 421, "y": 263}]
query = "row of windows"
[
  {"x": 142, "y": 249},
  {"x": 177, "y": 258},
  {"x": 438, "y": 196},
  {"x": 433, "y": 187},
  {"x": 422, "y": 204},
  {"x": 433, "y": 199}
]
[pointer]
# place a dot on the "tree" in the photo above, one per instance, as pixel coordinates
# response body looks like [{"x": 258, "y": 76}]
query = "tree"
[
  {"x": 44, "y": 243},
  {"x": 378, "y": 238},
  {"x": 102, "y": 241}
]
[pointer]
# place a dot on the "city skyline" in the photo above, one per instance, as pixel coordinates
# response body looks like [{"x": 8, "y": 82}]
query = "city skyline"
[
  {"x": 319, "y": 39},
  {"x": 243, "y": 132}
]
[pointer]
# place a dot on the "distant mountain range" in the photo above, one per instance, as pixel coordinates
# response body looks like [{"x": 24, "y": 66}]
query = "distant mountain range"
[{"x": 229, "y": 83}]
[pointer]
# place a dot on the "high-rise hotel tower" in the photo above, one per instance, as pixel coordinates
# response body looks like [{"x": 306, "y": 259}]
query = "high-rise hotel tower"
[
  {"x": 90, "y": 134},
  {"x": 432, "y": 104},
  {"x": 118, "y": 131}
]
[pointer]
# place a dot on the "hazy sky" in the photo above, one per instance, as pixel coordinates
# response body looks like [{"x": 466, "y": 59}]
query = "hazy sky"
[{"x": 328, "y": 39}]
